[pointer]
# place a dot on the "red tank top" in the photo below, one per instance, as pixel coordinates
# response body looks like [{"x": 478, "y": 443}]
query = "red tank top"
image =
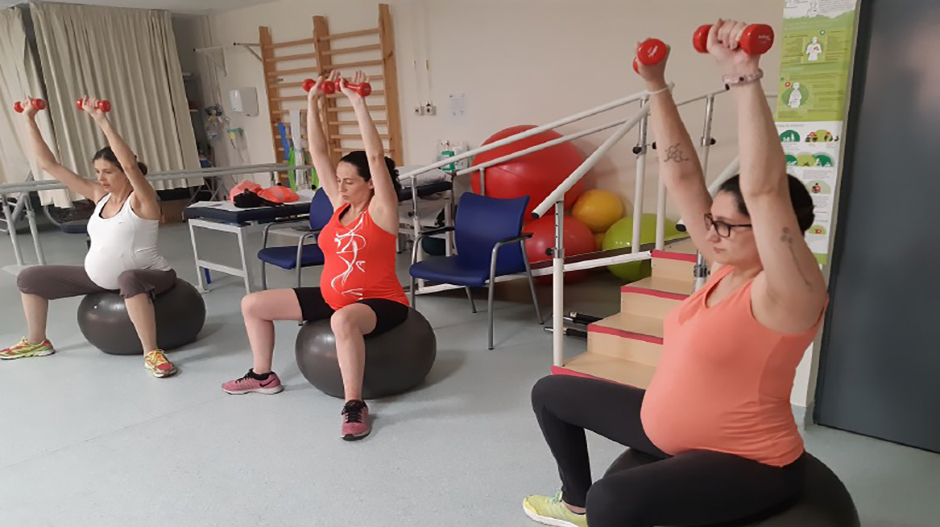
[
  {"x": 359, "y": 262},
  {"x": 723, "y": 381}
]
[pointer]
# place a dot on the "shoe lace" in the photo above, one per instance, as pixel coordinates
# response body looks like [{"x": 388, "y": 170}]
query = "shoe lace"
[
  {"x": 353, "y": 411},
  {"x": 157, "y": 358}
]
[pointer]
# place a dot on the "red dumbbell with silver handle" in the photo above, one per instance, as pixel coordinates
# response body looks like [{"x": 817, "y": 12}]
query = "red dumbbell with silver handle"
[
  {"x": 652, "y": 51},
  {"x": 756, "y": 39},
  {"x": 104, "y": 106},
  {"x": 38, "y": 104}
]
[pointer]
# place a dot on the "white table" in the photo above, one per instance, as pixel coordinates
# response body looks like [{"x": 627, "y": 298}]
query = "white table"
[{"x": 224, "y": 216}]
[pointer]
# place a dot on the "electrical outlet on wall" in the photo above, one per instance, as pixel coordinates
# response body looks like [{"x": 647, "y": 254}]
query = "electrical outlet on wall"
[{"x": 430, "y": 109}]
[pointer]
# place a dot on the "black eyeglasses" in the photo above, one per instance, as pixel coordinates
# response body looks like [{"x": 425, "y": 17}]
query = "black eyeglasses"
[{"x": 723, "y": 229}]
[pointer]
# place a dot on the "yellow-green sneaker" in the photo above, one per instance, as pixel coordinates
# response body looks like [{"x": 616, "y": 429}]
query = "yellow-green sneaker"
[
  {"x": 550, "y": 510},
  {"x": 23, "y": 349},
  {"x": 157, "y": 364}
]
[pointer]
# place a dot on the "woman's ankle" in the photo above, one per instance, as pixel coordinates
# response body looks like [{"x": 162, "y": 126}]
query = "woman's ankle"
[{"x": 576, "y": 510}]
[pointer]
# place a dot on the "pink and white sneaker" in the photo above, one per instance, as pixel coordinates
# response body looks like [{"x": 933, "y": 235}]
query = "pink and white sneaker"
[
  {"x": 270, "y": 384},
  {"x": 356, "y": 423}
]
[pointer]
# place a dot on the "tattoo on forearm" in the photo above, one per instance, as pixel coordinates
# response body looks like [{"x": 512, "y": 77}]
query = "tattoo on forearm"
[
  {"x": 674, "y": 153},
  {"x": 788, "y": 239}
]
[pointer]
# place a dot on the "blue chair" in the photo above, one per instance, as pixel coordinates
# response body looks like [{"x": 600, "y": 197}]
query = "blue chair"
[
  {"x": 299, "y": 256},
  {"x": 490, "y": 243}
]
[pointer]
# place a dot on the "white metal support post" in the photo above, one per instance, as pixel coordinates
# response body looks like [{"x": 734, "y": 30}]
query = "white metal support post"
[
  {"x": 11, "y": 227},
  {"x": 558, "y": 289},
  {"x": 640, "y": 184},
  {"x": 33, "y": 229}
]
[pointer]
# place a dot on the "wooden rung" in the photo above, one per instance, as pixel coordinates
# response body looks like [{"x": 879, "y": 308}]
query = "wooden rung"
[
  {"x": 357, "y": 64},
  {"x": 286, "y": 58},
  {"x": 351, "y": 109},
  {"x": 350, "y": 34},
  {"x": 275, "y": 73},
  {"x": 352, "y": 123},
  {"x": 355, "y": 136},
  {"x": 290, "y": 98},
  {"x": 356, "y": 49},
  {"x": 290, "y": 43}
]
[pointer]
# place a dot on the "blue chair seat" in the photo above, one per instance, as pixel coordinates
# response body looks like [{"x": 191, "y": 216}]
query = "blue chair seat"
[
  {"x": 74, "y": 227},
  {"x": 451, "y": 270},
  {"x": 286, "y": 257}
]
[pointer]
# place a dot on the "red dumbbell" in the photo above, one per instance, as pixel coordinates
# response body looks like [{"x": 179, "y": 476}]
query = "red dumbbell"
[
  {"x": 38, "y": 104},
  {"x": 363, "y": 89},
  {"x": 652, "y": 51},
  {"x": 327, "y": 87},
  {"x": 757, "y": 39},
  {"x": 104, "y": 106}
]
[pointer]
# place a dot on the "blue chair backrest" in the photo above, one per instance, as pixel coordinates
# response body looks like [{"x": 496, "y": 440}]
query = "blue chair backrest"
[
  {"x": 481, "y": 222},
  {"x": 321, "y": 210}
]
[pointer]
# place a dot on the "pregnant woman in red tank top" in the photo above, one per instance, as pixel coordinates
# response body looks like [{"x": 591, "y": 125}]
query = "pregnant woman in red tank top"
[
  {"x": 715, "y": 425},
  {"x": 359, "y": 291}
]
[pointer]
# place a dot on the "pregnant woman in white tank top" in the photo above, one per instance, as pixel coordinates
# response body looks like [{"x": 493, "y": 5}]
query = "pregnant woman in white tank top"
[{"x": 123, "y": 255}]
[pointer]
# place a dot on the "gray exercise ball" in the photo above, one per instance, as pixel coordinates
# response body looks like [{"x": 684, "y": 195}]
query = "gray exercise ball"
[
  {"x": 396, "y": 361},
  {"x": 180, "y": 314},
  {"x": 825, "y": 501}
]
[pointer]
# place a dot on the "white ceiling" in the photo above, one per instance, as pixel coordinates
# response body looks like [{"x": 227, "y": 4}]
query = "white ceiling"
[{"x": 182, "y": 6}]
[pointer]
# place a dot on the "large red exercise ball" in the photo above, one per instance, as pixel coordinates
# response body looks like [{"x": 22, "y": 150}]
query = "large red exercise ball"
[
  {"x": 535, "y": 175},
  {"x": 577, "y": 237},
  {"x": 598, "y": 209}
]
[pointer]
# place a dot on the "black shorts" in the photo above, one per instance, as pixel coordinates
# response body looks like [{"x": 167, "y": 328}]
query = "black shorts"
[{"x": 388, "y": 313}]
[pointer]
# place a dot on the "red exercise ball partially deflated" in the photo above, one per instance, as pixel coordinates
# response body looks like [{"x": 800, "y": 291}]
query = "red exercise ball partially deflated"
[{"x": 535, "y": 175}]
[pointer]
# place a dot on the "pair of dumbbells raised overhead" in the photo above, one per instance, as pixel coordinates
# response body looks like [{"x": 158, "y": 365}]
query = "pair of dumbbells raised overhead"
[
  {"x": 330, "y": 87},
  {"x": 756, "y": 39},
  {"x": 39, "y": 104}
]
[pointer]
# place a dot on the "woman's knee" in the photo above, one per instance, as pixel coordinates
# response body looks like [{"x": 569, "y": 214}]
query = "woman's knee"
[
  {"x": 344, "y": 323},
  {"x": 253, "y": 305},
  {"x": 547, "y": 388},
  {"x": 29, "y": 280}
]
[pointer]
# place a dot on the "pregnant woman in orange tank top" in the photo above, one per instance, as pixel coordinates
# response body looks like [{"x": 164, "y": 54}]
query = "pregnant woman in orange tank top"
[
  {"x": 715, "y": 423},
  {"x": 359, "y": 291}
]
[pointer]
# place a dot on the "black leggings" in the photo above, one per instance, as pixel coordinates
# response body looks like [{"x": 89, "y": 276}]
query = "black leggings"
[
  {"x": 388, "y": 313},
  {"x": 692, "y": 488}
]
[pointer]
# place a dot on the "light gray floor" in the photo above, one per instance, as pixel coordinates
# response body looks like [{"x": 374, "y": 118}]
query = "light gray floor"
[{"x": 88, "y": 439}]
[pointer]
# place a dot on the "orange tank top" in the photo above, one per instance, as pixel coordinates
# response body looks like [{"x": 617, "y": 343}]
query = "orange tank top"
[
  {"x": 724, "y": 380},
  {"x": 359, "y": 262}
]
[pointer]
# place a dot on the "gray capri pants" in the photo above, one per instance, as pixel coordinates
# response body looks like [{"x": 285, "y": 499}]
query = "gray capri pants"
[{"x": 62, "y": 281}]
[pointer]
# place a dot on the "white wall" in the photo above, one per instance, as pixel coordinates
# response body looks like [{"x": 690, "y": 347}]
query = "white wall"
[{"x": 519, "y": 62}]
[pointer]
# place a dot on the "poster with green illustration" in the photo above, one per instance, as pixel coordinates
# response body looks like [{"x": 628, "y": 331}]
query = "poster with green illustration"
[{"x": 816, "y": 49}]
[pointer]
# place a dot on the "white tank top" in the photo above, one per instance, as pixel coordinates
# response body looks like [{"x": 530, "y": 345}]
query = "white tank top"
[{"x": 121, "y": 243}]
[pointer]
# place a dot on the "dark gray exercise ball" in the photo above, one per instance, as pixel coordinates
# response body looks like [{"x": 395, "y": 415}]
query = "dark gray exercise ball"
[
  {"x": 180, "y": 314},
  {"x": 825, "y": 501},
  {"x": 396, "y": 361}
]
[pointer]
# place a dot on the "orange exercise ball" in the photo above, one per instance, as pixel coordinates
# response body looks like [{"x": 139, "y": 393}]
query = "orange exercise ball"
[
  {"x": 598, "y": 209},
  {"x": 578, "y": 240},
  {"x": 535, "y": 175}
]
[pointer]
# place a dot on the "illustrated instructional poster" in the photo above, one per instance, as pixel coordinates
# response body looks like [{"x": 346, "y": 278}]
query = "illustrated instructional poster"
[{"x": 817, "y": 42}]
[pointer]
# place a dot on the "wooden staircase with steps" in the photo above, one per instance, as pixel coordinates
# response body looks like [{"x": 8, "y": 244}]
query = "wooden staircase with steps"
[{"x": 626, "y": 347}]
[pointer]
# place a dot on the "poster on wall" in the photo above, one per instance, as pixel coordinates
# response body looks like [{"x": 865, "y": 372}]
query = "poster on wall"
[{"x": 817, "y": 42}]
